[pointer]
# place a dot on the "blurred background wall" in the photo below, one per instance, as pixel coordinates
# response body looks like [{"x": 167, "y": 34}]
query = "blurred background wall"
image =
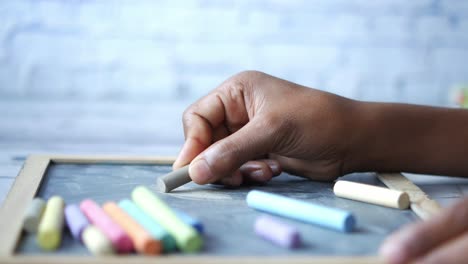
[
  {"x": 122, "y": 72},
  {"x": 164, "y": 50},
  {"x": 113, "y": 77}
]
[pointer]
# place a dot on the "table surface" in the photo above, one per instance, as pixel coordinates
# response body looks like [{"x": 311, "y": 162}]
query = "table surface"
[{"x": 122, "y": 128}]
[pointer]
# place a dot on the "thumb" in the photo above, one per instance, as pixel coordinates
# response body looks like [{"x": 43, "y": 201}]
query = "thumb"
[{"x": 225, "y": 156}]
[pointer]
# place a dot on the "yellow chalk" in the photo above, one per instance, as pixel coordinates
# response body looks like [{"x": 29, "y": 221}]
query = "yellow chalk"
[
  {"x": 96, "y": 242},
  {"x": 50, "y": 228}
]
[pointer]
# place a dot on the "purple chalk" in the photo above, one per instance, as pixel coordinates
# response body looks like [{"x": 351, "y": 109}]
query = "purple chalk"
[
  {"x": 76, "y": 220},
  {"x": 277, "y": 232}
]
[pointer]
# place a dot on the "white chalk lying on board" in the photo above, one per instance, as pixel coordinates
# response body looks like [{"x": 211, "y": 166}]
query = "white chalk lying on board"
[
  {"x": 96, "y": 242},
  {"x": 371, "y": 194},
  {"x": 33, "y": 215}
]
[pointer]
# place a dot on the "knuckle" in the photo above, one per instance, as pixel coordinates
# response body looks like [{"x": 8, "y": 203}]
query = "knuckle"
[
  {"x": 188, "y": 112},
  {"x": 249, "y": 73},
  {"x": 232, "y": 87},
  {"x": 187, "y": 115},
  {"x": 234, "y": 91},
  {"x": 248, "y": 76}
]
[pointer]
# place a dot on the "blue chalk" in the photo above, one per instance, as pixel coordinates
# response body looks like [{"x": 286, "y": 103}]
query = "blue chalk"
[
  {"x": 155, "y": 229},
  {"x": 337, "y": 219},
  {"x": 189, "y": 220}
]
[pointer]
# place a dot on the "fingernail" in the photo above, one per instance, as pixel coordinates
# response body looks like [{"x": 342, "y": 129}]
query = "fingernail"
[
  {"x": 200, "y": 171},
  {"x": 274, "y": 168},
  {"x": 257, "y": 174},
  {"x": 180, "y": 157}
]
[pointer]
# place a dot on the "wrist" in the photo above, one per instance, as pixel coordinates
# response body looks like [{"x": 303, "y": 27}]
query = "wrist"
[
  {"x": 353, "y": 160},
  {"x": 382, "y": 137},
  {"x": 407, "y": 138}
]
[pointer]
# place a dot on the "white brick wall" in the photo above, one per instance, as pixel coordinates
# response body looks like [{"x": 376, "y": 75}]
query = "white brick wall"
[{"x": 390, "y": 50}]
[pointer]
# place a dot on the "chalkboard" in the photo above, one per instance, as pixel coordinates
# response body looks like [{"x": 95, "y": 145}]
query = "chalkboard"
[{"x": 227, "y": 219}]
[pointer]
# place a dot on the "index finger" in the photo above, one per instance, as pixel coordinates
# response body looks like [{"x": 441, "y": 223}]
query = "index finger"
[
  {"x": 223, "y": 111},
  {"x": 199, "y": 121}
]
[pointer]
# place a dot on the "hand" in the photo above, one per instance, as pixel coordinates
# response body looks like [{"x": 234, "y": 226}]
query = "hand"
[
  {"x": 442, "y": 239},
  {"x": 253, "y": 125}
]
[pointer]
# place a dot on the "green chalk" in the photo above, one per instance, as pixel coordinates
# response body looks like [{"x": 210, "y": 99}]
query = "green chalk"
[
  {"x": 187, "y": 238},
  {"x": 148, "y": 223}
]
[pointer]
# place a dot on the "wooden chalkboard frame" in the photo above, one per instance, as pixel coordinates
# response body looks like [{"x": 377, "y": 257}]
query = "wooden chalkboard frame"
[{"x": 27, "y": 184}]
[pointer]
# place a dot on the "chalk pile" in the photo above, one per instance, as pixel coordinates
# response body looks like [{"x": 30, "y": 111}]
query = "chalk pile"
[{"x": 144, "y": 224}]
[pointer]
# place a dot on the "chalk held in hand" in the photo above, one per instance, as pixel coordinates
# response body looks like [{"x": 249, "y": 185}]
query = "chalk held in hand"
[
  {"x": 49, "y": 234},
  {"x": 76, "y": 220},
  {"x": 33, "y": 215},
  {"x": 372, "y": 194},
  {"x": 148, "y": 223},
  {"x": 336, "y": 219},
  {"x": 96, "y": 242},
  {"x": 187, "y": 238},
  {"x": 112, "y": 230},
  {"x": 173, "y": 180},
  {"x": 142, "y": 240},
  {"x": 277, "y": 232}
]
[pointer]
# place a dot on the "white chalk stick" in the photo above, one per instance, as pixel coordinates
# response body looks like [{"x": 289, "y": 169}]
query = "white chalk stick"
[
  {"x": 33, "y": 215},
  {"x": 371, "y": 194},
  {"x": 96, "y": 242}
]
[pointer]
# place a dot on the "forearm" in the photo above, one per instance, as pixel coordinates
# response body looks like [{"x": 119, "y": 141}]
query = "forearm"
[{"x": 409, "y": 138}]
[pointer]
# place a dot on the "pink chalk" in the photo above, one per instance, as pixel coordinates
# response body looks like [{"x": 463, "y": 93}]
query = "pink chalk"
[
  {"x": 120, "y": 240},
  {"x": 277, "y": 232}
]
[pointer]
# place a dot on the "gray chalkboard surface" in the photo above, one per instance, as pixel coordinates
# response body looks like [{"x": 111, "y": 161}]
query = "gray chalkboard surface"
[{"x": 227, "y": 219}]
